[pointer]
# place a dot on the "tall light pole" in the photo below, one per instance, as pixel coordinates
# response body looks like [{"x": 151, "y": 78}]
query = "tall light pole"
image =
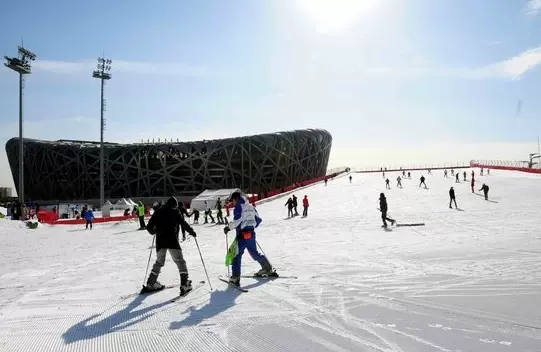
[
  {"x": 102, "y": 73},
  {"x": 21, "y": 64}
]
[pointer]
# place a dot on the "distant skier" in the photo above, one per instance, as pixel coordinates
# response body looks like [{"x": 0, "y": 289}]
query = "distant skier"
[
  {"x": 141, "y": 215},
  {"x": 430, "y": 171},
  {"x": 208, "y": 213},
  {"x": 387, "y": 183},
  {"x": 485, "y": 191},
  {"x": 452, "y": 172},
  {"x": 404, "y": 173},
  {"x": 325, "y": 182},
  {"x": 472, "y": 183},
  {"x": 457, "y": 179},
  {"x": 89, "y": 217},
  {"x": 295, "y": 204},
  {"x": 383, "y": 174},
  {"x": 350, "y": 178},
  {"x": 409, "y": 175},
  {"x": 195, "y": 214},
  {"x": 472, "y": 174},
  {"x": 289, "y": 205},
  {"x": 482, "y": 171},
  {"x": 305, "y": 205},
  {"x": 465, "y": 176},
  {"x": 245, "y": 220},
  {"x": 445, "y": 173},
  {"x": 399, "y": 182},
  {"x": 452, "y": 198},
  {"x": 183, "y": 212},
  {"x": 383, "y": 208},
  {"x": 488, "y": 172},
  {"x": 164, "y": 225},
  {"x": 219, "y": 214},
  {"x": 422, "y": 182}
]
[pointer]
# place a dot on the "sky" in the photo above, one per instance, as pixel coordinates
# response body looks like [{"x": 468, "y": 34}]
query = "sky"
[{"x": 396, "y": 82}]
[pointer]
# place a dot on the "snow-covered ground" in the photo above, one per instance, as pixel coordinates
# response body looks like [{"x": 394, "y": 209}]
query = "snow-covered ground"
[{"x": 469, "y": 280}]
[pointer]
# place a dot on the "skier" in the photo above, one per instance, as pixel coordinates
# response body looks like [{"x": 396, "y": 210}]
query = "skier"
[
  {"x": 472, "y": 185},
  {"x": 452, "y": 172},
  {"x": 485, "y": 191},
  {"x": 482, "y": 171},
  {"x": 325, "y": 182},
  {"x": 195, "y": 214},
  {"x": 289, "y": 205},
  {"x": 183, "y": 212},
  {"x": 387, "y": 183},
  {"x": 384, "y": 175},
  {"x": 399, "y": 182},
  {"x": 305, "y": 205},
  {"x": 383, "y": 209},
  {"x": 404, "y": 173},
  {"x": 245, "y": 220},
  {"x": 89, "y": 216},
  {"x": 488, "y": 172},
  {"x": 295, "y": 204},
  {"x": 219, "y": 215},
  {"x": 409, "y": 175},
  {"x": 208, "y": 212},
  {"x": 457, "y": 178},
  {"x": 465, "y": 176},
  {"x": 350, "y": 177},
  {"x": 430, "y": 171},
  {"x": 445, "y": 173},
  {"x": 422, "y": 182},
  {"x": 164, "y": 225},
  {"x": 452, "y": 198},
  {"x": 141, "y": 215}
]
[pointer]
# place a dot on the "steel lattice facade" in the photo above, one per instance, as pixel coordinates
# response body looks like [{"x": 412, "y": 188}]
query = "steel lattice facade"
[{"x": 69, "y": 170}]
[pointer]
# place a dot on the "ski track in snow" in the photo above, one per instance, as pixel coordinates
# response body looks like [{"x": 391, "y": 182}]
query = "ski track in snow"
[{"x": 469, "y": 280}]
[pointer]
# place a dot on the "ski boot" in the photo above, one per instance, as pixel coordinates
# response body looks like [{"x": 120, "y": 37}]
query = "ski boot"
[
  {"x": 235, "y": 281},
  {"x": 266, "y": 270},
  {"x": 156, "y": 286},
  {"x": 185, "y": 284}
]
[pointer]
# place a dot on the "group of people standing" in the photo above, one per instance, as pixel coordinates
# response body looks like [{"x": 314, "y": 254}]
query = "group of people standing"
[{"x": 292, "y": 204}]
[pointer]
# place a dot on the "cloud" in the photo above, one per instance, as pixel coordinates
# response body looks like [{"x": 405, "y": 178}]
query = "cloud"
[
  {"x": 516, "y": 66},
  {"x": 123, "y": 66},
  {"x": 533, "y": 7}
]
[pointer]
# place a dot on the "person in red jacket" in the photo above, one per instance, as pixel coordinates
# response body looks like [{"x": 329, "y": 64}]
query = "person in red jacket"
[{"x": 305, "y": 205}]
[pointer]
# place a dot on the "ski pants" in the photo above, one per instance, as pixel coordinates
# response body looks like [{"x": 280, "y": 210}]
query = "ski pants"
[
  {"x": 251, "y": 245},
  {"x": 142, "y": 221},
  {"x": 305, "y": 211},
  {"x": 451, "y": 202},
  {"x": 384, "y": 218},
  {"x": 89, "y": 222},
  {"x": 290, "y": 212},
  {"x": 176, "y": 255}
]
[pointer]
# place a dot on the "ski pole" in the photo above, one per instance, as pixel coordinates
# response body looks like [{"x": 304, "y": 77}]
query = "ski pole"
[
  {"x": 202, "y": 261},
  {"x": 226, "y": 251},
  {"x": 261, "y": 249},
  {"x": 149, "y": 255}
]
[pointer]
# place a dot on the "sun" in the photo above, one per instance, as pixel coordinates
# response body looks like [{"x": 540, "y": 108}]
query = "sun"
[{"x": 334, "y": 16}]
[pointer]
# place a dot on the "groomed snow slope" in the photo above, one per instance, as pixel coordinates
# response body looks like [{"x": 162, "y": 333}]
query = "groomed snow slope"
[{"x": 467, "y": 281}]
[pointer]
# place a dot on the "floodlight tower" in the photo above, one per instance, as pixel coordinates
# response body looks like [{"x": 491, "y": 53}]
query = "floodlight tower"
[
  {"x": 102, "y": 73},
  {"x": 21, "y": 64}
]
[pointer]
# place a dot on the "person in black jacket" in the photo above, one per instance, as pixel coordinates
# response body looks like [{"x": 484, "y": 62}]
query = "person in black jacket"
[
  {"x": 383, "y": 209},
  {"x": 295, "y": 204},
  {"x": 485, "y": 191},
  {"x": 452, "y": 198},
  {"x": 164, "y": 224}
]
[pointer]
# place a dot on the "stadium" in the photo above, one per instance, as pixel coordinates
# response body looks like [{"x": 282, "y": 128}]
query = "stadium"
[{"x": 69, "y": 170}]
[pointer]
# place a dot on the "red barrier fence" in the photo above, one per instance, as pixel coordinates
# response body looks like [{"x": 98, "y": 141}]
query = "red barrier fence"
[
  {"x": 49, "y": 217},
  {"x": 415, "y": 169},
  {"x": 505, "y": 165}
]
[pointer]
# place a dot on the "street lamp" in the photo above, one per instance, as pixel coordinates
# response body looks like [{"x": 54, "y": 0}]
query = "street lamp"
[
  {"x": 21, "y": 64},
  {"x": 102, "y": 73}
]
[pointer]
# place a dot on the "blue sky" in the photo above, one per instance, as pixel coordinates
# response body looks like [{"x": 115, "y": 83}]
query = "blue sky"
[{"x": 394, "y": 81}]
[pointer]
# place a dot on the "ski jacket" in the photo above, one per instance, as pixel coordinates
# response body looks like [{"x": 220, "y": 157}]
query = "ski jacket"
[
  {"x": 245, "y": 217},
  {"x": 452, "y": 193},
  {"x": 305, "y": 202},
  {"x": 89, "y": 215},
  {"x": 383, "y": 205},
  {"x": 141, "y": 209},
  {"x": 289, "y": 203},
  {"x": 165, "y": 224}
]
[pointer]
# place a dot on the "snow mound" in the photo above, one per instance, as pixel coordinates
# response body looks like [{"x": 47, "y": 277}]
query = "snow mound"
[{"x": 468, "y": 280}]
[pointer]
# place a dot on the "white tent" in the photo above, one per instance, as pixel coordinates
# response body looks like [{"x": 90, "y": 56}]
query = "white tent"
[
  {"x": 211, "y": 196},
  {"x": 123, "y": 204},
  {"x": 132, "y": 203}
]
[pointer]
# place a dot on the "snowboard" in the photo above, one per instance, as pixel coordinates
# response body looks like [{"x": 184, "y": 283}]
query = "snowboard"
[
  {"x": 226, "y": 280},
  {"x": 194, "y": 287}
]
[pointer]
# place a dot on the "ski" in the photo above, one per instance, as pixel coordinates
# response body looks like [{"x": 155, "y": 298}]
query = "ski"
[
  {"x": 230, "y": 284},
  {"x": 268, "y": 277},
  {"x": 142, "y": 292},
  {"x": 195, "y": 287},
  {"x": 419, "y": 224}
]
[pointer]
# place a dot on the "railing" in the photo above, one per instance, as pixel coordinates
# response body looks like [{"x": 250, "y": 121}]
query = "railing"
[
  {"x": 523, "y": 166},
  {"x": 411, "y": 167}
]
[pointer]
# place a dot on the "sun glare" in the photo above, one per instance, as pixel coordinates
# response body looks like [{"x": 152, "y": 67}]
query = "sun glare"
[{"x": 334, "y": 16}]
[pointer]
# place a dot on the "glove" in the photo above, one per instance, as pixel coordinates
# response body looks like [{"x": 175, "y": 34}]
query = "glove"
[
  {"x": 226, "y": 229},
  {"x": 193, "y": 234}
]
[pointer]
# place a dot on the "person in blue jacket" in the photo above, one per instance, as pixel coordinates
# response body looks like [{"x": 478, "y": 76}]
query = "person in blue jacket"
[
  {"x": 89, "y": 216},
  {"x": 245, "y": 221}
]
